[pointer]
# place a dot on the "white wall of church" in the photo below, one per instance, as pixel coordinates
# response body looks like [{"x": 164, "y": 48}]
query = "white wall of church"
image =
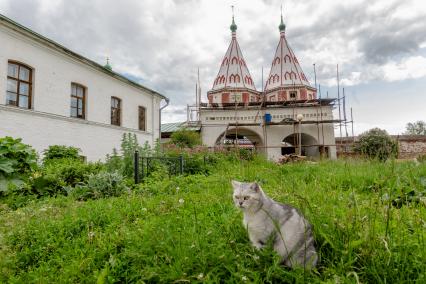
[
  {"x": 215, "y": 121},
  {"x": 41, "y": 130},
  {"x": 49, "y": 122}
]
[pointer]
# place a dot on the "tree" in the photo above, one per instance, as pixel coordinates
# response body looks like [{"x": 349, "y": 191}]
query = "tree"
[
  {"x": 376, "y": 144},
  {"x": 416, "y": 128},
  {"x": 185, "y": 138}
]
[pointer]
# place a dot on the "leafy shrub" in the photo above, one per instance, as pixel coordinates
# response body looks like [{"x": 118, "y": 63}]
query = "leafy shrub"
[
  {"x": 185, "y": 138},
  {"x": 59, "y": 174},
  {"x": 246, "y": 154},
  {"x": 421, "y": 158},
  {"x": 377, "y": 144},
  {"x": 16, "y": 160},
  {"x": 16, "y": 157},
  {"x": 55, "y": 152},
  {"x": 100, "y": 185},
  {"x": 123, "y": 163}
]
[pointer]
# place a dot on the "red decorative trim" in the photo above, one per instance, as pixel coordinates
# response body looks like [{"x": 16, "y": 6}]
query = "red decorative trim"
[
  {"x": 234, "y": 59},
  {"x": 234, "y": 77},
  {"x": 303, "y": 95},
  {"x": 285, "y": 58},
  {"x": 277, "y": 60},
  {"x": 275, "y": 78},
  {"x": 225, "y": 97},
  {"x": 248, "y": 80},
  {"x": 245, "y": 97}
]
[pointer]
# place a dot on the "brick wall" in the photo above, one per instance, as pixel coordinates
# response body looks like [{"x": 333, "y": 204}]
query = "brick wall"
[{"x": 410, "y": 146}]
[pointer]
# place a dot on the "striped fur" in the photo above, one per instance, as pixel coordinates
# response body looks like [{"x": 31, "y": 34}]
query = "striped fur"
[{"x": 265, "y": 218}]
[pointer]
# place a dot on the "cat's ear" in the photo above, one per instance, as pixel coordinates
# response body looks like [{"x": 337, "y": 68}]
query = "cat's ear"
[
  {"x": 255, "y": 187},
  {"x": 235, "y": 184}
]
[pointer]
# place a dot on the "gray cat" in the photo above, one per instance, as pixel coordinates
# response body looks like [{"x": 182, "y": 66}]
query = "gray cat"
[{"x": 265, "y": 218}]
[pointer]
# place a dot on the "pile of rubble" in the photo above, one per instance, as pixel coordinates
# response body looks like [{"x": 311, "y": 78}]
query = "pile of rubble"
[{"x": 291, "y": 158}]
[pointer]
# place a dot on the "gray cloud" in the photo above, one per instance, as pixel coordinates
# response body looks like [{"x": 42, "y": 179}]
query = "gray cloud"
[{"x": 162, "y": 42}]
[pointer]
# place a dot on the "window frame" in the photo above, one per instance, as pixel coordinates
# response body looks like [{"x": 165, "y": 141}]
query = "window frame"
[
  {"x": 20, "y": 81},
  {"x": 140, "y": 126},
  {"x": 83, "y": 99},
  {"x": 293, "y": 93},
  {"x": 116, "y": 122}
]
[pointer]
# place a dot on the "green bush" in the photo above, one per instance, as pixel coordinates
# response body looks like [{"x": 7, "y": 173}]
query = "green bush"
[
  {"x": 199, "y": 162},
  {"x": 55, "y": 152},
  {"x": 124, "y": 163},
  {"x": 185, "y": 138},
  {"x": 376, "y": 144},
  {"x": 247, "y": 154},
  {"x": 100, "y": 185},
  {"x": 59, "y": 174},
  {"x": 421, "y": 158},
  {"x": 16, "y": 161}
]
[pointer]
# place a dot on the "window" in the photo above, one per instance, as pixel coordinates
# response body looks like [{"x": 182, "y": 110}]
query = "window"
[
  {"x": 235, "y": 98},
  {"x": 78, "y": 101},
  {"x": 142, "y": 118},
  {"x": 115, "y": 111},
  {"x": 19, "y": 85},
  {"x": 293, "y": 95}
]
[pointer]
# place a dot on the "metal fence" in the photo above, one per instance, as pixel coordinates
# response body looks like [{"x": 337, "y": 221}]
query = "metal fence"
[{"x": 144, "y": 166}]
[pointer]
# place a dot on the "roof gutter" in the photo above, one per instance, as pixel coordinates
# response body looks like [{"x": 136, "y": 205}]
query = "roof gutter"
[{"x": 159, "y": 115}]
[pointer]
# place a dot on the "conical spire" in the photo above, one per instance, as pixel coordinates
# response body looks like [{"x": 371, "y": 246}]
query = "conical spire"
[
  {"x": 233, "y": 72},
  {"x": 285, "y": 69}
]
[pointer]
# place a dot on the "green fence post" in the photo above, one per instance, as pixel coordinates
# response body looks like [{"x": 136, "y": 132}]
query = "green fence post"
[
  {"x": 136, "y": 166},
  {"x": 181, "y": 164}
]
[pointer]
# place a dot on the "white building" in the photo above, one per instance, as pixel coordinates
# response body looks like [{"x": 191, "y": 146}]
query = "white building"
[
  {"x": 49, "y": 95},
  {"x": 286, "y": 117}
]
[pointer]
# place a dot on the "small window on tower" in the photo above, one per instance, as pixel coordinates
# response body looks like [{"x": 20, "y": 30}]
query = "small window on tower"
[{"x": 293, "y": 95}]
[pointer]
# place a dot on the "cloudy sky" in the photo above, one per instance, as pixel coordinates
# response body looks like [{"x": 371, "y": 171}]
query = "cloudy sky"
[{"x": 380, "y": 46}]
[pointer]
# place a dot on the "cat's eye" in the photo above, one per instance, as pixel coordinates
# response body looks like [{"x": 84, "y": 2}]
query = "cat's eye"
[{"x": 246, "y": 197}]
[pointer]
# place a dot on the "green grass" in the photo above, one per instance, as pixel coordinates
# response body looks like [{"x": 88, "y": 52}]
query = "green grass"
[{"x": 186, "y": 229}]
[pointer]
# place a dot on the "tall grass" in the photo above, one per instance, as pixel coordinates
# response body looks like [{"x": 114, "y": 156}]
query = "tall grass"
[{"x": 187, "y": 229}]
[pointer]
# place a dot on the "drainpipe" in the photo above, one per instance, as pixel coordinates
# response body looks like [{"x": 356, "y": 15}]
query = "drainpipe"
[{"x": 161, "y": 108}]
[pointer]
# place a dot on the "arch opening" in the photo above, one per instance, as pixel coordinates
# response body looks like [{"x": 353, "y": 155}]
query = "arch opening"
[
  {"x": 309, "y": 145},
  {"x": 242, "y": 138}
]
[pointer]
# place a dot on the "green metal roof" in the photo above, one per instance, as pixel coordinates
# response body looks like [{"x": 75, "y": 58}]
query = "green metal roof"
[
  {"x": 52, "y": 44},
  {"x": 171, "y": 127},
  {"x": 175, "y": 126}
]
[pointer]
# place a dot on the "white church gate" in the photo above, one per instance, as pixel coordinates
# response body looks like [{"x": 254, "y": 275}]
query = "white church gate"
[{"x": 282, "y": 118}]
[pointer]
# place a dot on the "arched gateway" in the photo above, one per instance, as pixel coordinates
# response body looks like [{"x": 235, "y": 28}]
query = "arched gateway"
[
  {"x": 242, "y": 138},
  {"x": 268, "y": 121},
  {"x": 308, "y": 144}
]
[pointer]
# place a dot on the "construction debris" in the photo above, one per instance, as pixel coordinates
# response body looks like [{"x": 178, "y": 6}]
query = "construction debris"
[{"x": 291, "y": 158}]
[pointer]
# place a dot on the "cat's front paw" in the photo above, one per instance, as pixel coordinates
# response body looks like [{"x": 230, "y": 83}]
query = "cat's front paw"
[{"x": 258, "y": 244}]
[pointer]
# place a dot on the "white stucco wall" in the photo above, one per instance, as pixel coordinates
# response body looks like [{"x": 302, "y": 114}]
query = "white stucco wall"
[
  {"x": 53, "y": 73},
  {"x": 275, "y": 134}
]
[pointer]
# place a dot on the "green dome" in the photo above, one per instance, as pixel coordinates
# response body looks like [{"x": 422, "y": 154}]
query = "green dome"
[
  {"x": 233, "y": 26},
  {"x": 281, "y": 27},
  {"x": 107, "y": 65}
]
